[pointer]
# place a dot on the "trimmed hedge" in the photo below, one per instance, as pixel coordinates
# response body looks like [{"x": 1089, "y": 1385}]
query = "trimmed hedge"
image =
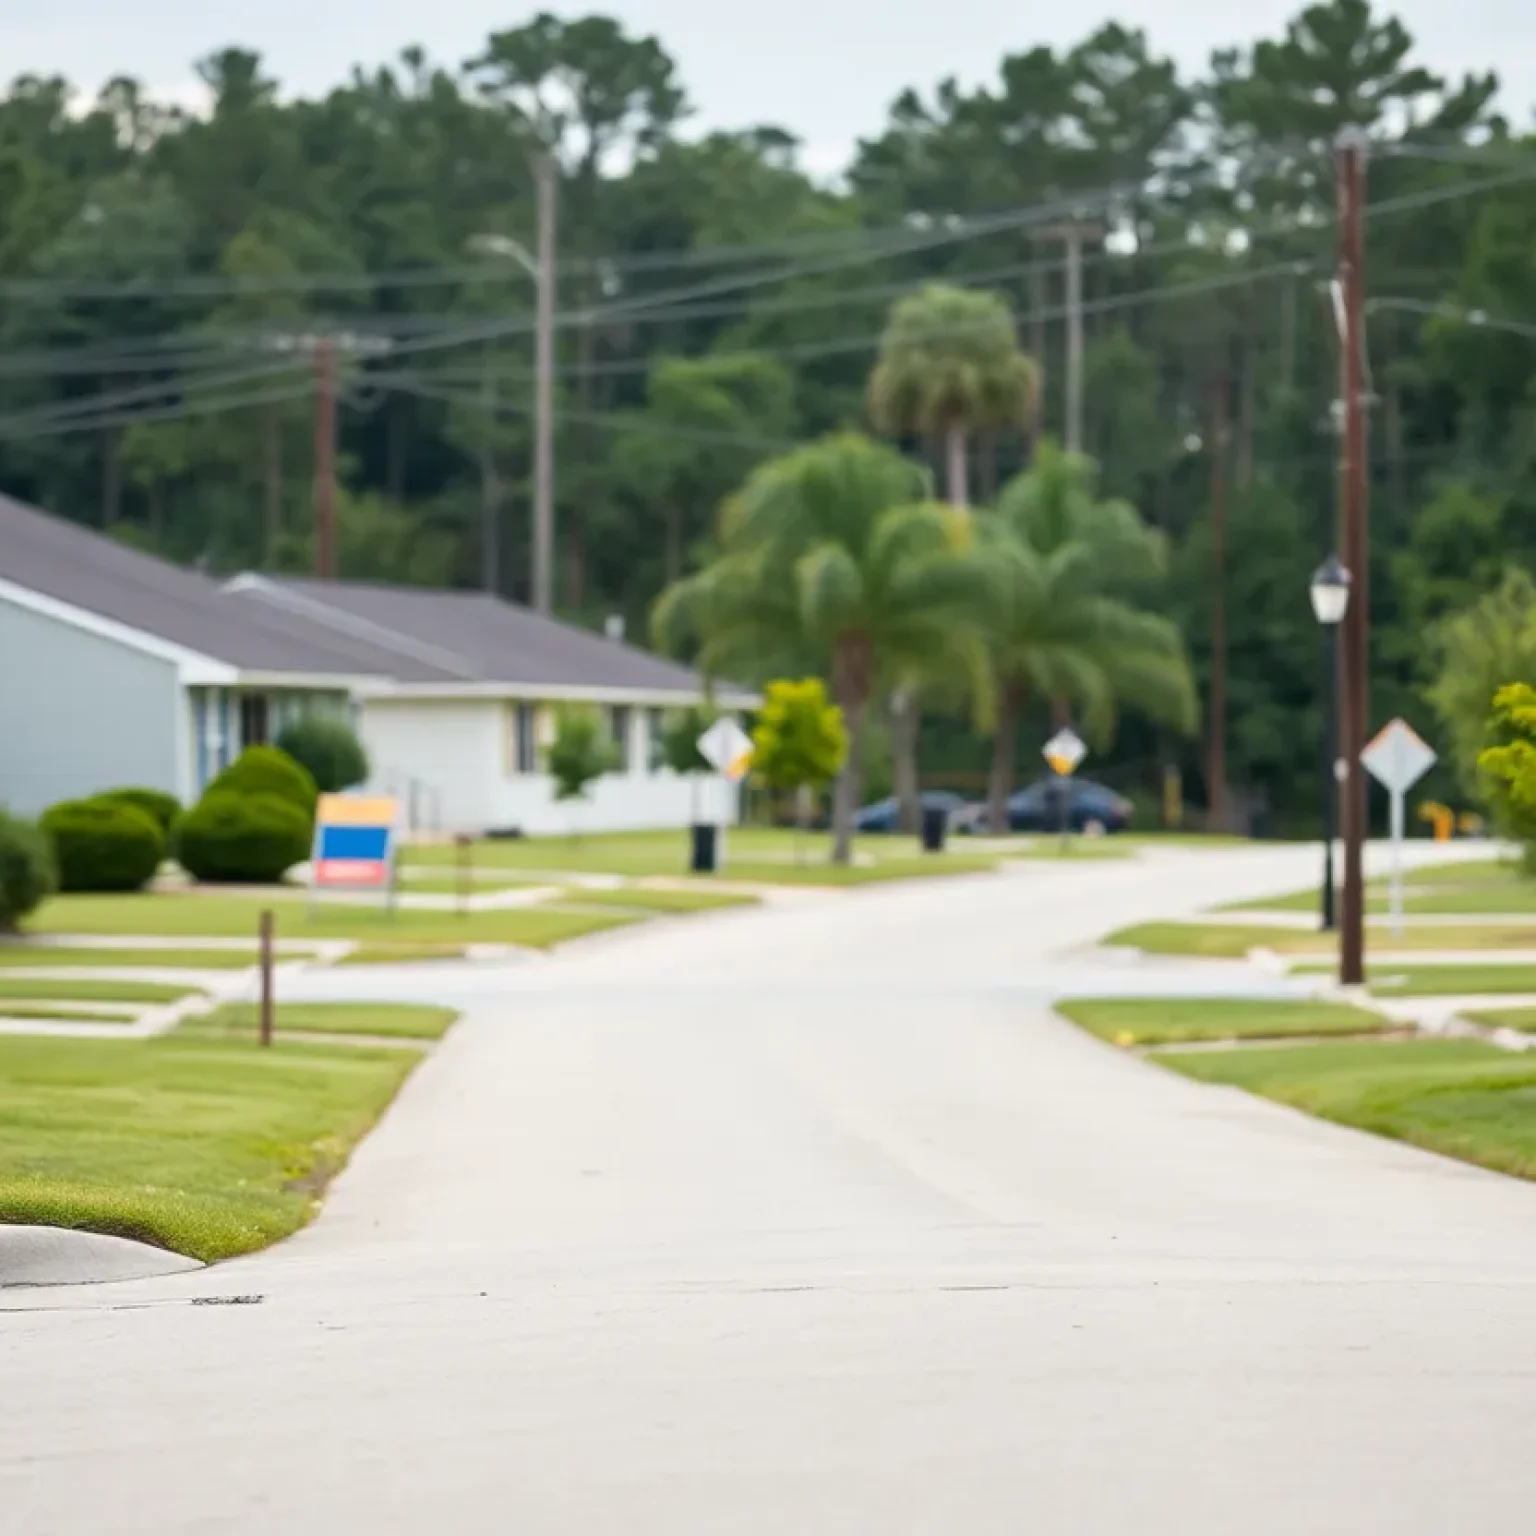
[
  {"x": 268, "y": 771},
  {"x": 103, "y": 844},
  {"x": 328, "y": 747},
  {"x": 161, "y": 808},
  {"x": 27, "y": 871},
  {"x": 243, "y": 838}
]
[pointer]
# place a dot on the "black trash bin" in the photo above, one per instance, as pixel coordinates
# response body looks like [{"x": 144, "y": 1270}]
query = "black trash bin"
[
  {"x": 706, "y": 850},
  {"x": 935, "y": 827}
]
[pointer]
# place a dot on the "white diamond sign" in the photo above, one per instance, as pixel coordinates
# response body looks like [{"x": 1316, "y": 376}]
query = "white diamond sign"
[
  {"x": 1064, "y": 751},
  {"x": 1398, "y": 757},
  {"x": 727, "y": 749}
]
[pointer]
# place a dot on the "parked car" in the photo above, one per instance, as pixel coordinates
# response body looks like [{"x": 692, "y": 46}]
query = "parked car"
[
  {"x": 1090, "y": 808},
  {"x": 885, "y": 815}
]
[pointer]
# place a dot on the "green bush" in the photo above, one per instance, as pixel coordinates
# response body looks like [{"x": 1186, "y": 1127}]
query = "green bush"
[
  {"x": 268, "y": 771},
  {"x": 328, "y": 747},
  {"x": 161, "y": 808},
  {"x": 243, "y": 838},
  {"x": 103, "y": 844},
  {"x": 27, "y": 871}
]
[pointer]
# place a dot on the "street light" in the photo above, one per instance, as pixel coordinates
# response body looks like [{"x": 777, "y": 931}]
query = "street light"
[{"x": 1330, "y": 602}]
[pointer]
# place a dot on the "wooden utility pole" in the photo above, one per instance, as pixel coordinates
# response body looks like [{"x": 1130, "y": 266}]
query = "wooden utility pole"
[
  {"x": 1216, "y": 763},
  {"x": 1354, "y": 546},
  {"x": 490, "y": 491},
  {"x": 1072, "y": 234},
  {"x": 325, "y": 459},
  {"x": 544, "y": 438}
]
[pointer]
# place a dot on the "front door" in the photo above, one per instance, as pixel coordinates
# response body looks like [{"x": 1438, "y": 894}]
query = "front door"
[{"x": 255, "y": 712}]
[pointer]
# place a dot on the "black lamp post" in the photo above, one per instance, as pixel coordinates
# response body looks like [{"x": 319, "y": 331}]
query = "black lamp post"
[{"x": 1330, "y": 602}]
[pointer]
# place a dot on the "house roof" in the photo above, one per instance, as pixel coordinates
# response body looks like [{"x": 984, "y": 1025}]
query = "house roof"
[
  {"x": 473, "y": 638},
  {"x": 88, "y": 570}
]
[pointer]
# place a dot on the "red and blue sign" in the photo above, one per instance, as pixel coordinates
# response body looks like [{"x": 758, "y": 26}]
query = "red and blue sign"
[{"x": 354, "y": 842}]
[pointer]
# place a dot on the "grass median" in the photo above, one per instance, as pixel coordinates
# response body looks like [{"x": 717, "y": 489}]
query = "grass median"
[
  {"x": 89, "y": 990},
  {"x": 210, "y": 1147},
  {"x": 1233, "y": 941},
  {"x": 1457, "y": 1097},
  {"x": 79, "y": 957},
  {"x": 1151, "y": 1021},
  {"x": 401, "y": 1021},
  {"x": 219, "y": 915}
]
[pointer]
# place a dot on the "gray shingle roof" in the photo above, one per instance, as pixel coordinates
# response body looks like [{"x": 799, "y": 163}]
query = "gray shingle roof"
[
  {"x": 89, "y": 570},
  {"x": 473, "y": 637}
]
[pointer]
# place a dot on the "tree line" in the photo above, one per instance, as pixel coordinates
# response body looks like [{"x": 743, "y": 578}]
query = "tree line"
[{"x": 163, "y": 277}]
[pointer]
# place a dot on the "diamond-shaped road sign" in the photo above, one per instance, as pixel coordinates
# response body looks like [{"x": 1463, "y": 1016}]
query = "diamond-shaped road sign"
[
  {"x": 727, "y": 749},
  {"x": 1064, "y": 751},
  {"x": 1398, "y": 757}
]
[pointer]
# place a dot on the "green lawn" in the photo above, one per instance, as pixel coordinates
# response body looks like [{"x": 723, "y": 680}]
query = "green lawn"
[
  {"x": 95, "y": 1013},
  {"x": 400, "y": 954},
  {"x": 85, "y": 990},
  {"x": 1451, "y": 890},
  {"x": 1167, "y": 1021},
  {"x": 642, "y": 899},
  {"x": 752, "y": 854},
  {"x": 406, "y": 1021},
  {"x": 211, "y": 1147},
  {"x": 1234, "y": 940},
  {"x": 1522, "y": 1019},
  {"x": 61, "y": 956},
  {"x": 220, "y": 916},
  {"x": 1449, "y": 980},
  {"x": 1458, "y": 1097}
]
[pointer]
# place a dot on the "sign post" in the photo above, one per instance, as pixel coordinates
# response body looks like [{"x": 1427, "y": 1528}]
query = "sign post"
[
  {"x": 1063, "y": 752},
  {"x": 355, "y": 844},
  {"x": 728, "y": 750},
  {"x": 1397, "y": 758}
]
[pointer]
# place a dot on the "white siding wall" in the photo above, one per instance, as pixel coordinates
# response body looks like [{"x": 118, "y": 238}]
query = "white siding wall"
[
  {"x": 459, "y": 754},
  {"x": 80, "y": 713}
]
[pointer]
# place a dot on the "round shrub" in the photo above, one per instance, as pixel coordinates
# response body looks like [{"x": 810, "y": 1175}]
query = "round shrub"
[
  {"x": 161, "y": 808},
  {"x": 27, "y": 870},
  {"x": 241, "y": 839},
  {"x": 103, "y": 845},
  {"x": 328, "y": 747},
  {"x": 268, "y": 771}
]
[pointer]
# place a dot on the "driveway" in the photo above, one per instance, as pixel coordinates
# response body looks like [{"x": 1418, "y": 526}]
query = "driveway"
[{"x": 816, "y": 1220}]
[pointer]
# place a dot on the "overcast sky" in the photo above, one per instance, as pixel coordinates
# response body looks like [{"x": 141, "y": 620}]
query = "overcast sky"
[{"x": 825, "y": 69}]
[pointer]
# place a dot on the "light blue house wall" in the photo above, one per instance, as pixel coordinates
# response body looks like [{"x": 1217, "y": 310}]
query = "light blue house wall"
[{"x": 80, "y": 713}]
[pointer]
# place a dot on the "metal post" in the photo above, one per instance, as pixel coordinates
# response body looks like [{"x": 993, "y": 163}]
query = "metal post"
[
  {"x": 1330, "y": 767},
  {"x": 1354, "y": 549},
  {"x": 1216, "y": 762},
  {"x": 325, "y": 460},
  {"x": 544, "y": 440},
  {"x": 264, "y": 931}
]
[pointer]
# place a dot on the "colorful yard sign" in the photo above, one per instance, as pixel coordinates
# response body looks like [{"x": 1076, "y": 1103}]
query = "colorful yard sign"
[{"x": 354, "y": 842}]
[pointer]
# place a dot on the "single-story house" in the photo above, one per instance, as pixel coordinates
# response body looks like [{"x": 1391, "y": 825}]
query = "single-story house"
[{"x": 120, "y": 668}]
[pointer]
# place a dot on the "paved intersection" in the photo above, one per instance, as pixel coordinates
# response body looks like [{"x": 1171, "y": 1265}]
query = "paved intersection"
[{"x": 816, "y": 1220}]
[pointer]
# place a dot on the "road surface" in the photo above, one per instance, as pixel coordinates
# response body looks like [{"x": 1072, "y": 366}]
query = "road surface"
[{"x": 817, "y": 1221}]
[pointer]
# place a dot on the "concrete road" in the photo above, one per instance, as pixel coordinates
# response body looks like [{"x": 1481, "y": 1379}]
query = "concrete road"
[{"x": 817, "y": 1221}]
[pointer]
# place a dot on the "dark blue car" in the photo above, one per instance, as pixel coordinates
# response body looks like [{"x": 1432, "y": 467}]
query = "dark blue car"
[
  {"x": 1038, "y": 808},
  {"x": 885, "y": 815}
]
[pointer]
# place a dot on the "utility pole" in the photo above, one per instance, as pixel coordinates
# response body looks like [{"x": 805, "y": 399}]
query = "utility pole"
[
  {"x": 1216, "y": 763},
  {"x": 490, "y": 491},
  {"x": 325, "y": 458},
  {"x": 1354, "y": 546},
  {"x": 1072, "y": 234},
  {"x": 544, "y": 441},
  {"x": 323, "y": 348}
]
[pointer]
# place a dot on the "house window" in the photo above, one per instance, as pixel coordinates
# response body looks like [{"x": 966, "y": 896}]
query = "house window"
[
  {"x": 522, "y": 739},
  {"x": 254, "y": 713},
  {"x": 618, "y": 730}
]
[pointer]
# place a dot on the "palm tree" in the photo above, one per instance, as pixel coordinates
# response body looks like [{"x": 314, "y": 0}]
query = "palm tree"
[
  {"x": 833, "y": 555},
  {"x": 950, "y": 366},
  {"x": 1065, "y": 625}
]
